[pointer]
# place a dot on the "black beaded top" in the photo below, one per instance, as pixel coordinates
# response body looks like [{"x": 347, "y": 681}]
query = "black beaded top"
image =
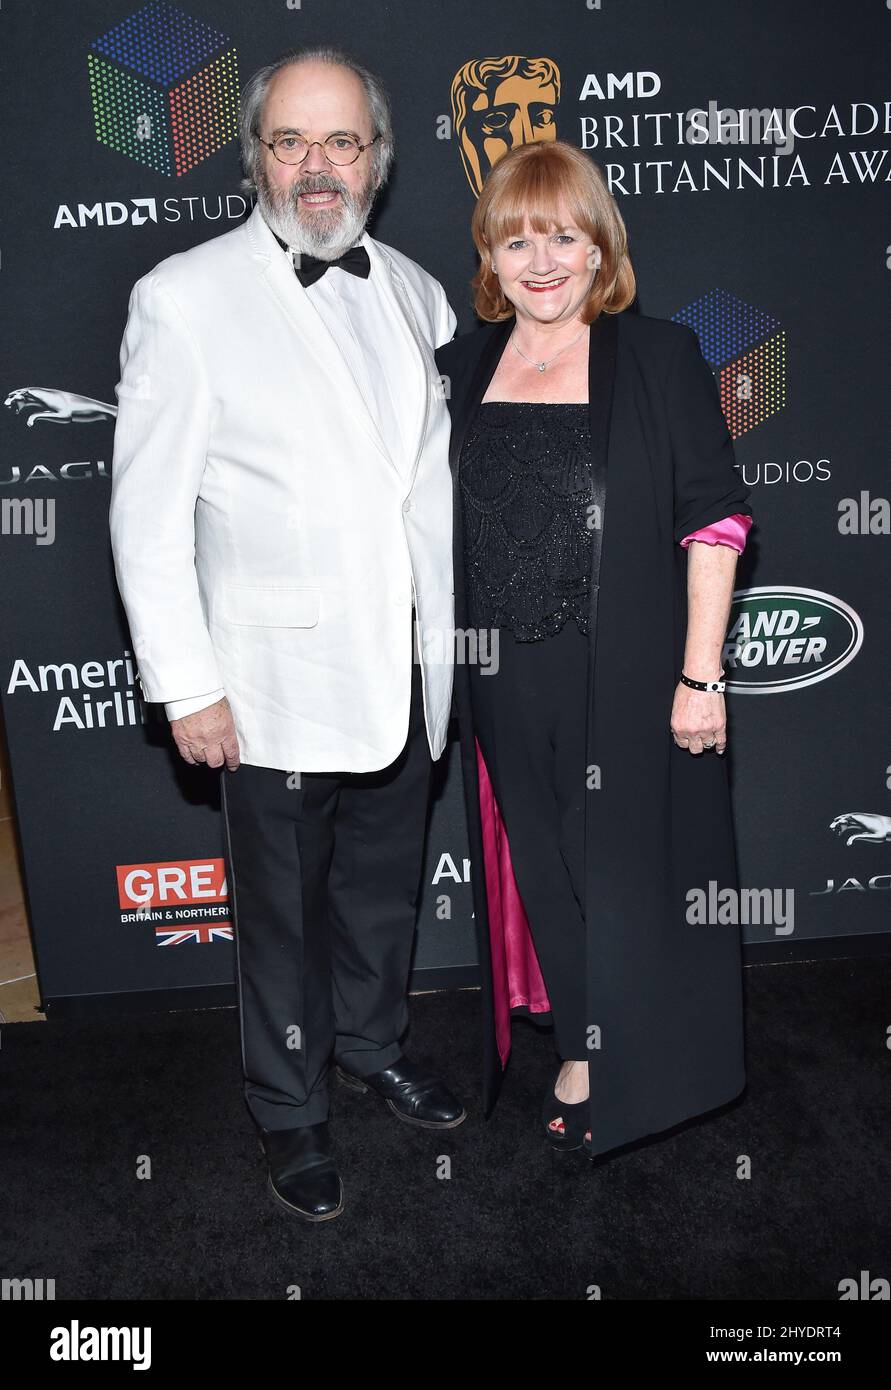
[{"x": 525, "y": 483}]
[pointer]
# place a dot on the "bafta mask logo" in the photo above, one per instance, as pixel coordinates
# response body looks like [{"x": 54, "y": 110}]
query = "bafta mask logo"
[{"x": 499, "y": 103}]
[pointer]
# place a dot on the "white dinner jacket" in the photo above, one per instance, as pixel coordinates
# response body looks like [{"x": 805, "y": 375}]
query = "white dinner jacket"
[{"x": 266, "y": 540}]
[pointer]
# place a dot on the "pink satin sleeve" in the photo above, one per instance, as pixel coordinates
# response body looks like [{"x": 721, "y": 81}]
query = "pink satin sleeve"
[{"x": 733, "y": 530}]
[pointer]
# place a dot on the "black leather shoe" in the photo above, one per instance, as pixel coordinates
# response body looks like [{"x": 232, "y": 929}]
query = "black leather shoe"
[
  {"x": 413, "y": 1094},
  {"x": 302, "y": 1174}
]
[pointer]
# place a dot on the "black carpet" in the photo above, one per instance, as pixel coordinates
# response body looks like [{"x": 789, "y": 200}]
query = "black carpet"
[{"x": 668, "y": 1220}]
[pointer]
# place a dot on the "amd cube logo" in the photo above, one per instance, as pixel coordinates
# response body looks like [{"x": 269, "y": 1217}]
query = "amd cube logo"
[
  {"x": 183, "y": 899},
  {"x": 746, "y": 346},
  {"x": 164, "y": 88}
]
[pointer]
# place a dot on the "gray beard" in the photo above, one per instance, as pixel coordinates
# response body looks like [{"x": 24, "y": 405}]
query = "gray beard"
[{"x": 331, "y": 233}]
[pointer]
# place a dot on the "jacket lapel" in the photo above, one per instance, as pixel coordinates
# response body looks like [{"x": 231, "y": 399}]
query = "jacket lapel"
[
  {"x": 278, "y": 273},
  {"x": 421, "y": 351},
  {"x": 601, "y": 384},
  {"x": 464, "y": 410}
]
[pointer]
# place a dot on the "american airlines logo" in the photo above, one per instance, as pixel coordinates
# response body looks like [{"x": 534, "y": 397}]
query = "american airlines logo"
[{"x": 85, "y": 696}]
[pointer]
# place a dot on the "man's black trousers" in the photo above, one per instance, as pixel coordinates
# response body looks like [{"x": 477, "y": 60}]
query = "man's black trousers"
[{"x": 324, "y": 872}]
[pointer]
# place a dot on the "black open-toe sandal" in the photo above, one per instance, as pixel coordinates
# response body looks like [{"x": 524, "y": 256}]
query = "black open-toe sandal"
[{"x": 571, "y": 1133}]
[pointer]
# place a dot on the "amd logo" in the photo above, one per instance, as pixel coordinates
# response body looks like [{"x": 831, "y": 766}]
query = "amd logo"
[
  {"x": 111, "y": 214},
  {"x": 136, "y": 212},
  {"x": 630, "y": 84}
]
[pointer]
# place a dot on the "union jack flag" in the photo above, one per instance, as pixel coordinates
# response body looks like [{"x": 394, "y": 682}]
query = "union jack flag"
[{"x": 178, "y": 936}]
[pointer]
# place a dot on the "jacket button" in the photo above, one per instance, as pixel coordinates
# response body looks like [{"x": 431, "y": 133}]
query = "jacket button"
[{"x": 406, "y": 506}]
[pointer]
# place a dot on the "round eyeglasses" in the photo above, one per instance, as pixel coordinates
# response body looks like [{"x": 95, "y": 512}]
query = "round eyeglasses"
[{"x": 337, "y": 149}]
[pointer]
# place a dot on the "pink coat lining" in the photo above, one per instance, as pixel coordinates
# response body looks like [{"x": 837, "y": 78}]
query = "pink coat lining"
[
  {"x": 516, "y": 975},
  {"x": 731, "y": 531}
]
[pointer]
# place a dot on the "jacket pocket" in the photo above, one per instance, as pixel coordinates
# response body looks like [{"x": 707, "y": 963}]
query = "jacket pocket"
[{"x": 263, "y": 607}]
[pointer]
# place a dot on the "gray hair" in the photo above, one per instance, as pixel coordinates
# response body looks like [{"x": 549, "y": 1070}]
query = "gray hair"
[{"x": 253, "y": 98}]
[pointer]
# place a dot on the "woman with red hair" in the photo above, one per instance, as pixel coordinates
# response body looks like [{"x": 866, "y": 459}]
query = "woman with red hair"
[{"x": 598, "y": 520}]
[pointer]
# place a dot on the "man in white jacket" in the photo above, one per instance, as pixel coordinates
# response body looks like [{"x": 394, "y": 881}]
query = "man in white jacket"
[{"x": 281, "y": 527}]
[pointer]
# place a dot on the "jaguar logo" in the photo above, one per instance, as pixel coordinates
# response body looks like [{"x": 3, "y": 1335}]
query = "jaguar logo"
[{"x": 862, "y": 825}]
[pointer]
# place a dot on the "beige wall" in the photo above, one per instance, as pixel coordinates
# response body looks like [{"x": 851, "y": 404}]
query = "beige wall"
[{"x": 18, "y": 985}]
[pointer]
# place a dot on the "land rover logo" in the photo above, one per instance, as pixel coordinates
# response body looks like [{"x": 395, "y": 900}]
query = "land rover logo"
[{"x": 784, "y": 638}]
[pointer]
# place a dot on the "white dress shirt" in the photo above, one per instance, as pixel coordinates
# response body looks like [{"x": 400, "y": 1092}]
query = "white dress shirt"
[{"x": 350, "y": 308}]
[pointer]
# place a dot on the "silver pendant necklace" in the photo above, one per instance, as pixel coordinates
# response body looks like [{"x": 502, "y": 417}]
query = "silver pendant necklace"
[{"x": 547, "y": 362}]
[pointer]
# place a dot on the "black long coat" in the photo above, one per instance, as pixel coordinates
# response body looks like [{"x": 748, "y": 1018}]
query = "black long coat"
[{"x": 664, "y": 996}]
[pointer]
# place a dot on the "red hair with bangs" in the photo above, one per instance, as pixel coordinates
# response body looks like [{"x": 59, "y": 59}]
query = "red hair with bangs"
[{"x": 540, "y": 184}]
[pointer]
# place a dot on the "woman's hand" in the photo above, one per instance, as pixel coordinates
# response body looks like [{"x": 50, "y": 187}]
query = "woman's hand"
[{"x": 698, "y": 720}]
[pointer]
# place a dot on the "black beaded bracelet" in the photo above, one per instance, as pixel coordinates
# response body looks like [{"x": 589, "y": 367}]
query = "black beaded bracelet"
[{"x": 716, "y": 686}]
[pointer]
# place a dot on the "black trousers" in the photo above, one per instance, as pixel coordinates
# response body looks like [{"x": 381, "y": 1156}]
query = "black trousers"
[
  {"x": 530, "y": 720},
  {"x": 325, "y": 878}
]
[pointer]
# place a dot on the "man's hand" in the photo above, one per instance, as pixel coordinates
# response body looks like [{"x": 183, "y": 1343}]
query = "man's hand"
[{"x": 208, "y": 736}]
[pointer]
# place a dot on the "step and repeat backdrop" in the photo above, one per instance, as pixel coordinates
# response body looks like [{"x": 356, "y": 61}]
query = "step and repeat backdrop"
[{"x": 748, "y": 143}]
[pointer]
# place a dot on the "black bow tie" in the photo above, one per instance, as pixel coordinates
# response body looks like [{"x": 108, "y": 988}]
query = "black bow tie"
[{"x": 310, "y": 268}]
